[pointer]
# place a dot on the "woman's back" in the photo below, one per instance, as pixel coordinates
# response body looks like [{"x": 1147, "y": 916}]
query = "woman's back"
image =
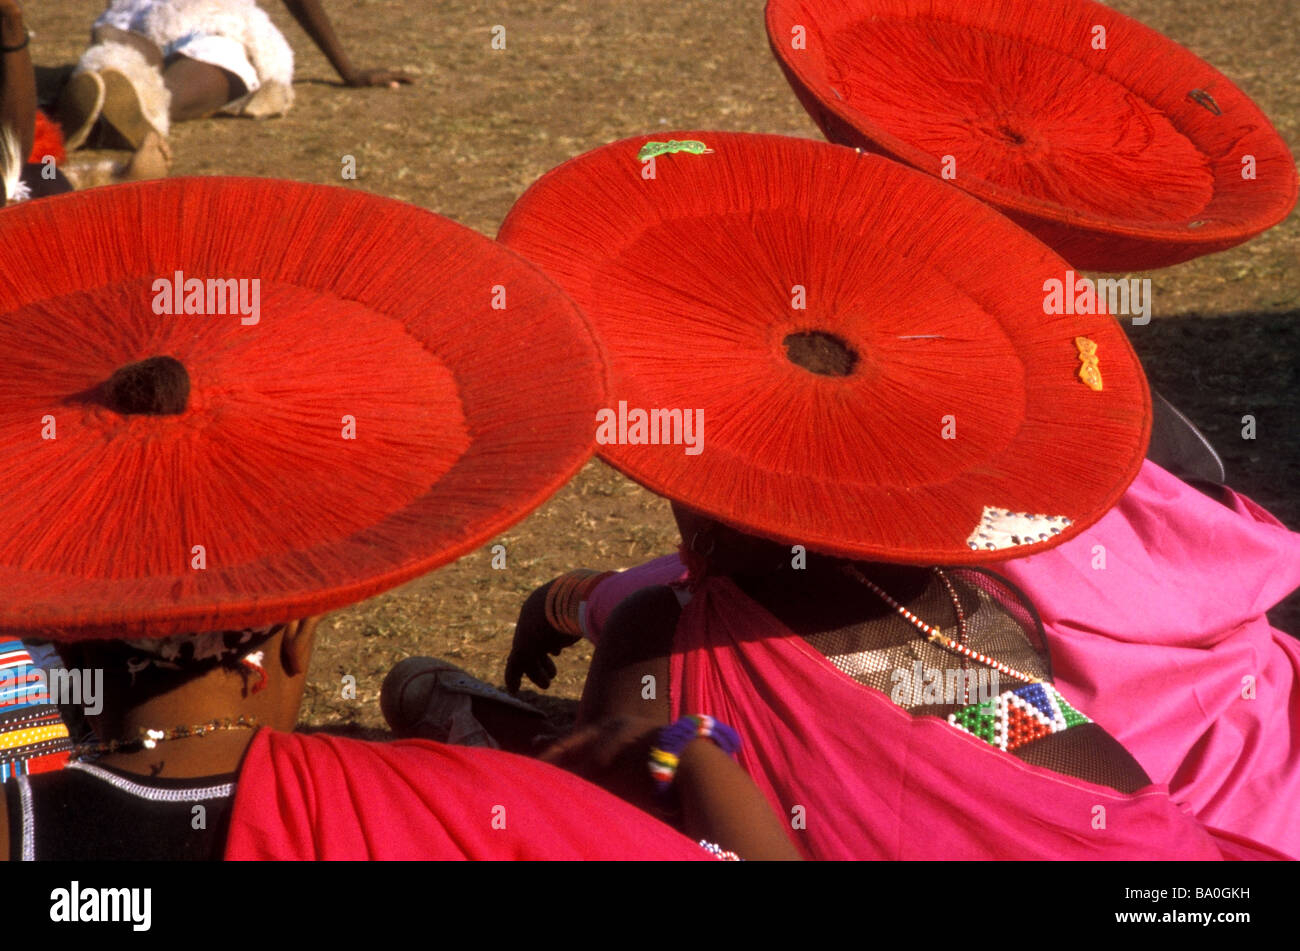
[{"x": 85, "y": 811}]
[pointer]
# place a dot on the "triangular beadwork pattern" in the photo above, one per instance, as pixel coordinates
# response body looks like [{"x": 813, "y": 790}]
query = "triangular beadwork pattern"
[{"x": 1019, "y": 716}]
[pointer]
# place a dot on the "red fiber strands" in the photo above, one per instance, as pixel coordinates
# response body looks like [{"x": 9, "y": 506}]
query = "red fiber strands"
[
  {"x": 694, "y": 279},
  {"x": 48, "y": 140},
  {"x": 1114, "y": 145},
  {"x": 375, "y": 322}
]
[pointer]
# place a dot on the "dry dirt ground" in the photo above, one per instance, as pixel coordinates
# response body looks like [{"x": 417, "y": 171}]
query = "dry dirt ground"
[{"x": 481, "y": 124}]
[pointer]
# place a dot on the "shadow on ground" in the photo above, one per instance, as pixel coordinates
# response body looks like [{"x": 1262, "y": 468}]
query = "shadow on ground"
[{"x": 561, "y": 715}]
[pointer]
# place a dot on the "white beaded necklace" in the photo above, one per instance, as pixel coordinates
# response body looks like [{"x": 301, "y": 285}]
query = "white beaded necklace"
[{"x": 140, "y": 791}]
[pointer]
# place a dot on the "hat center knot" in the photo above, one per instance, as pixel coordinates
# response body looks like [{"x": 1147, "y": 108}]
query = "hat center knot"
[
  {"x": 158, "y": 386},
  {"x": 1008, "y": 134},
  {"x": 821, "y": 353}
]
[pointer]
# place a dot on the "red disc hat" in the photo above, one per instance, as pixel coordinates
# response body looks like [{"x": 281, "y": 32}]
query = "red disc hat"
[
  {"x": 865, "y": 348},
  {"x": 1111, "y": 143},
  {"x": 366, "y": 392}
]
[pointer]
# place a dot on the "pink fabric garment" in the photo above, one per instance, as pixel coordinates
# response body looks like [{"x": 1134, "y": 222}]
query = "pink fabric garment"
[
  {"x": 611, "y": 592},
  {"x": 1157, "y": 647},
  {"x": 870, "y": 781},
  {"x": 316, "y": 797},
  {"x": 1154, "y": 647}
]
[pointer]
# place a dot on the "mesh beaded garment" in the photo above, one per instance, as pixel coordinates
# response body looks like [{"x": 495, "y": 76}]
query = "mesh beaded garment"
[
  {"x": 138, "y": 818},
  {"x": 1000, "y": 624},
  {"x": 227, "y": 403},
  {"x": 1114, "y": 145},
  {"x": 888, "y": 654}
]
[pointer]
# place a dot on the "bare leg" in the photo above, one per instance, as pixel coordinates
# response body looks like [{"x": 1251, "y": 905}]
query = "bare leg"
[
  {"x": 117, "y": 96},
  {"x": 199, "y": 89}
]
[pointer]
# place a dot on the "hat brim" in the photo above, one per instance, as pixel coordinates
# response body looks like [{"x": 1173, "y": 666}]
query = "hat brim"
[
  {"x": 966, "y": 395},
  {"x": 408, "y": 390},
  {"x": 1114, "y": 145}
]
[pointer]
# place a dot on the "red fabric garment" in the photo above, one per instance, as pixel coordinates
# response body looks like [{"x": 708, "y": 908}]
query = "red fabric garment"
[
  {"x": 323, "y": 797},
  {"x": 870, "y": 781}
]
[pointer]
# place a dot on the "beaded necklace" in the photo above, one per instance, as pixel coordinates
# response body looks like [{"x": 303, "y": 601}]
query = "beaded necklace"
[
  {"x": 152, "y": 793},
  {"x": 1015, "y": 717},
  {"x": 147, "y": 739},
  {"x": 935, "y": 635}
]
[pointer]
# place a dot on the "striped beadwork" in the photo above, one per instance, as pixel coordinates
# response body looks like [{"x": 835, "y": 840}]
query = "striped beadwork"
[
  {"x": 33, "y": 737},
  {"x": 935, "y": 636}
]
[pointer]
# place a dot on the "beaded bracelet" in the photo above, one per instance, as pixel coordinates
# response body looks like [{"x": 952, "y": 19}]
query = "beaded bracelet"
[
  {"x": 565, "y": 596},
  {"x": 718, "y": 852},
  {"x": 665, "y": 755}
]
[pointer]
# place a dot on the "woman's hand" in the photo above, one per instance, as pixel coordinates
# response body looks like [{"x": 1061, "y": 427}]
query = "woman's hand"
[
  {"x": 312, "y": 18},
  {"x": 613, "y": 753},
  {"x": 713, "y": 798},
  {"x": 534, "y": 640}
]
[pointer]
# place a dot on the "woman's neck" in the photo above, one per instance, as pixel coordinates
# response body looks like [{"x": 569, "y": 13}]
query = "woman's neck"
[
  {"x": 824, "y": 596},
  {"x": 215, "y": 754},
  {"x": 217, "y": 705}
]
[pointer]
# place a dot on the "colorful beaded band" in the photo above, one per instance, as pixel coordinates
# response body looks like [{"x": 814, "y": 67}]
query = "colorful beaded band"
[
  {"x": 666, "y": 754},
  {"x": 1019, "y": 716},
  {"x": 566, "y": 595}
]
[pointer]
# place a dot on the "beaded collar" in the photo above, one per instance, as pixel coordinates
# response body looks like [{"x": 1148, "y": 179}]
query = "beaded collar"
[
  {"x": 154, "y": 793},
  {"x": 1013, "y": 718}
]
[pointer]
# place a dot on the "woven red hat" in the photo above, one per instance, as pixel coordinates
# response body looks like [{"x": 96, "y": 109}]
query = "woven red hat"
[
  {"x": 963, "y": 427},
  {"x": 392, "y": 392},
  {"x": 1111, "y": 143}
]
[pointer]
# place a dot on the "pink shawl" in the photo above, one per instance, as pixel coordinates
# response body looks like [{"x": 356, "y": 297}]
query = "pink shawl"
[
  {"x": 866, "y": 780},
  {"x": 1168, "y": 648},
  {"x": 322, "y": 797},
  {"x": 1154, "y": 647}
]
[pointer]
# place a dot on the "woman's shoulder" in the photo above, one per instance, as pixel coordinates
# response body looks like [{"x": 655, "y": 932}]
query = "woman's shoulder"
[{"x": 643, "y": 623}]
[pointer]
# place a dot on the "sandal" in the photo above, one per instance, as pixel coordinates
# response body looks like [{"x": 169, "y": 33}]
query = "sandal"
[
  {"x": 79, "y": 106},
  {"x": 428, "y": 698},
  {"x": 123, "y": 113}
]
